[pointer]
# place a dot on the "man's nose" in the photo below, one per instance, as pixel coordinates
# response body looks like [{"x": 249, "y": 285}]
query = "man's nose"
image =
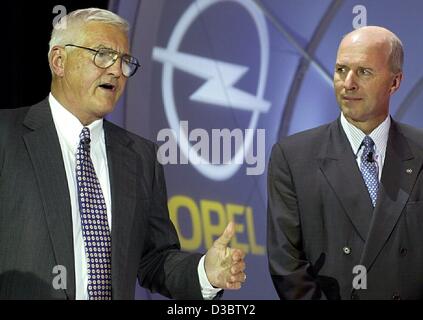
[
  {"x": 115, "y": 69},
  {"x": 350, "y": 82}
]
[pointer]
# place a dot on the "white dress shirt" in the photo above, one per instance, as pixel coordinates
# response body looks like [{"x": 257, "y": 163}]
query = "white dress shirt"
[
  {"x": 68, "y": 128},
  {"x": 379, "y": 135}
]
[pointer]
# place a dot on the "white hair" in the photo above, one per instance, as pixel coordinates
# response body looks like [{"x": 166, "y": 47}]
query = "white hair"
[{"x": 74, "y": 22}]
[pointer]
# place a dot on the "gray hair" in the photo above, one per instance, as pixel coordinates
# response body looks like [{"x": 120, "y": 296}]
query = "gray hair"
[
  {"x": 396, "y": 58},
  {"x": 76, "y": 19}
]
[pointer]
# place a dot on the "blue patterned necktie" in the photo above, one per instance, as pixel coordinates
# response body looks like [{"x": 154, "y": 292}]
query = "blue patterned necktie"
[
  {"x": 369, "y": 169},
  {"x": 95, "y": 228}
]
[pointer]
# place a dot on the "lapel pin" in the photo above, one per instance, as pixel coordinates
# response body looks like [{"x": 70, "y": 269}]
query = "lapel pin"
[{"x": 409, "y": 171}]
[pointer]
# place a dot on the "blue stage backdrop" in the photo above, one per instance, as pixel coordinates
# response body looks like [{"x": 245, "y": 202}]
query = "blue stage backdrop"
[{"x": 261, "y": 69}]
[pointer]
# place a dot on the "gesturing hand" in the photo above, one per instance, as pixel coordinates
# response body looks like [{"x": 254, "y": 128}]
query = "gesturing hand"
[{"x": 225, "y": 266}]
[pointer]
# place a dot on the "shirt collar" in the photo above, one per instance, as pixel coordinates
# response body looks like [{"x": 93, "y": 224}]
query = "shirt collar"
[
  {"x": 69, "y": 127},
  {"x": 379, "y": 135}
]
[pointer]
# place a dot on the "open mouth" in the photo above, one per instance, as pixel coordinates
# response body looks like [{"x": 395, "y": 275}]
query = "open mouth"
[{"x": 108, "y": 86}]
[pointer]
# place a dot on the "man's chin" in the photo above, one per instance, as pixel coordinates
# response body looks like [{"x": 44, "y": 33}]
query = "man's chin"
[
  {"x": 353, "y": 117},
  {"x": 352, "y": 111},
  {"x": 104, "y": 109}
]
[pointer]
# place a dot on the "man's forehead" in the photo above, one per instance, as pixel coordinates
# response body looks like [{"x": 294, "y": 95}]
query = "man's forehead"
[
  {"x": 354, "y": 61},
  {"x": 363, "y": 47},
  {"x": 106, "y": 35}
]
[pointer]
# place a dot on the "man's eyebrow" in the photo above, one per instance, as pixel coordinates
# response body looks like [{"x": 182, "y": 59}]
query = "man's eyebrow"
[
  {"x": 102, "y": 46},
  {"x": 338, "y": 64}
]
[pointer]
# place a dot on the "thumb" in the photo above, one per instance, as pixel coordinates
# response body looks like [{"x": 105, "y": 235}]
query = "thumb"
[{"x": 226, "y": 236}]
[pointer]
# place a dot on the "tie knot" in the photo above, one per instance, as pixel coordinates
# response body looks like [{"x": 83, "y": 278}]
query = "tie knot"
[
  {"x": 84, "y": 136},
  {"x": 368, "y": 142}
]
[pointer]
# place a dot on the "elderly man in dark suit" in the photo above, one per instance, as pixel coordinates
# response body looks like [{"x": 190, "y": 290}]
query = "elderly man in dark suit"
[
  {"x": 84, "y": 197},
  {"x": 345, "y": 207}
]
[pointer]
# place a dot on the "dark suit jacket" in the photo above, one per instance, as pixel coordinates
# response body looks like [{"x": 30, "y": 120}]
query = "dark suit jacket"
[
  {"x": 321, "y": 222},
  {"x": 36, "y": 223}
]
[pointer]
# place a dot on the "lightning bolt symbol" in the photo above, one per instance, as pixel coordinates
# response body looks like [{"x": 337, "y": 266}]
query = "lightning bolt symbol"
[{"x": 221, "y": 76}]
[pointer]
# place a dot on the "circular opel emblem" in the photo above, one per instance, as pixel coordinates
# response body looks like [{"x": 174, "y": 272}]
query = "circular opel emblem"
[{"x": 171, "y": 57}]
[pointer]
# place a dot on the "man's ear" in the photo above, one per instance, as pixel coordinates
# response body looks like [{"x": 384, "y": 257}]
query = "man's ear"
[
  {"x": 57, "y": 61},
  {"x": 396, "y": 82}
]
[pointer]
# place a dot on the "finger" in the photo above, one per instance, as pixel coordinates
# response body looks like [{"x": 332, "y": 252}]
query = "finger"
[
  {"x": 239, "y": 277},
  {"x": 237, "y": 255},
  {"x": 233, "y": 285},
  {"x": 227, "y": 235},
  {"x": 238, "y": 267}
]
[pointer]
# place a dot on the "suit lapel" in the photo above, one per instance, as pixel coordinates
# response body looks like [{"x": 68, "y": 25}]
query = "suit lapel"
[
  {"x": 44, "y": 150},
  {"x": 396, "y": 184},
  {"x": 338, "y": 164},
  {"x": 122, "y": 171}
]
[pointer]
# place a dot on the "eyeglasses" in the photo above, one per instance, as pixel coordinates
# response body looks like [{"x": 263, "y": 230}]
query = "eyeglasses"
[{"x": 105, "y": 58}]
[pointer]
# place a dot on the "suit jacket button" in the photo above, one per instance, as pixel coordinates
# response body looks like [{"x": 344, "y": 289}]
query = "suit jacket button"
[
  {"x": 403, "y": 252},
  {"x": 396, "y": 296},
  {"x": 346, "y": 250}
]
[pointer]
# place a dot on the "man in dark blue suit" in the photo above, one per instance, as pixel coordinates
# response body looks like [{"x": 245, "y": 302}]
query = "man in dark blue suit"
[
  {"x": 81, "y": 195},
  {"x": 345, "y": 203}
]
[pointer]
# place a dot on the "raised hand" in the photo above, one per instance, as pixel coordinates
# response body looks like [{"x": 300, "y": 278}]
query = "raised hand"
[{"x": 224, "y": 265}]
